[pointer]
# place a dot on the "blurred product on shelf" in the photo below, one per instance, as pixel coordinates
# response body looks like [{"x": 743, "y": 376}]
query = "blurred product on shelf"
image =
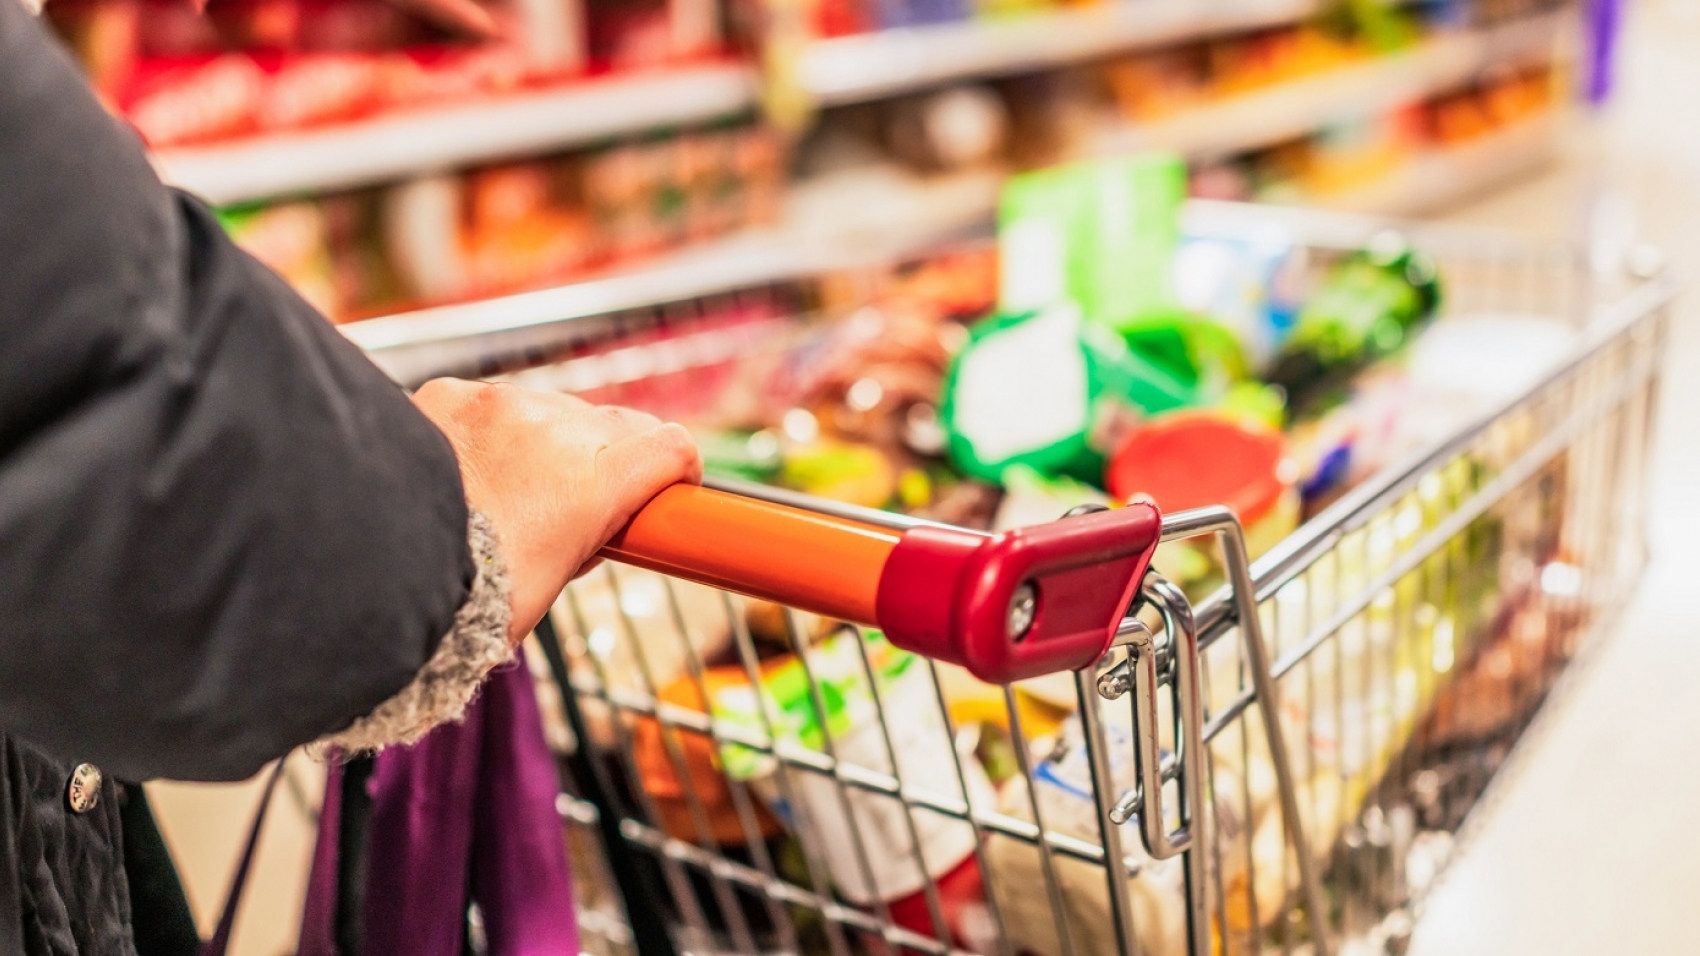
[
  {"x": 957, "y": 129},
  {"x": 520, "y": 225},
  {"x": 1152, "y": 85},
  {"x": 963, "y": 127},
  {"x": 641, "y": 34},
  {"x": 294, "y": 240},
  {"x": 1349, "y": 154},
  {"x": 1347, "y": 157},
  {"x": 515, "y": 226},
  {"x": 1500, "y": 101},
  {"x": 250, "y": 67}
]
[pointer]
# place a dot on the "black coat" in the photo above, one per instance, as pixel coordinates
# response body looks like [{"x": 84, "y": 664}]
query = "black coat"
[{"x": 223, "y": 532}]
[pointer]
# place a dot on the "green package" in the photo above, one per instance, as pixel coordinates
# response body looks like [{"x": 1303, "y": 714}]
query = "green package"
[
  {"x": 792, "y": 698},
  {"x": 1102, "y": 235},
  {"x": 1051, "y": 391},
  {"x": 1368, "y": 307}
]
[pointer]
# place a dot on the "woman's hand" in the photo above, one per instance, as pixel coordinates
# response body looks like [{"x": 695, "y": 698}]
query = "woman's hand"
[{"x": 556, "y": 475}]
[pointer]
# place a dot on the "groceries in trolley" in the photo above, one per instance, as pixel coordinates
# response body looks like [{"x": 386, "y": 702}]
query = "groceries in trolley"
[{"x": 921, "y": 809}]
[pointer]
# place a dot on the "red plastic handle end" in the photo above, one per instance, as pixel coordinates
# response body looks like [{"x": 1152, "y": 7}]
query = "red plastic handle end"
[{"x": 962, "y": 597}]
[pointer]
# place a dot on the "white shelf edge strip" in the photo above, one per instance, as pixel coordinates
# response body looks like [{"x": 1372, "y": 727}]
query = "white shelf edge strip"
[
  {"x": 865, "y": 66},
  {"x": 400, "y": 144}
]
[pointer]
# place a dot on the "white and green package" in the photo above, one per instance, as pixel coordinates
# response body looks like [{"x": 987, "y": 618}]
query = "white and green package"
[{"x": 1051, "y": 391}]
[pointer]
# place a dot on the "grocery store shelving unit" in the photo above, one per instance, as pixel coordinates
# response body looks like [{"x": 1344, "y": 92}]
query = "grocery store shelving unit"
[
  {"x": 415, "y": 346},
  {"x": 871, "y": 65},
  {"x": 834, "y": 71},
  {"x": 1293, "y": 109},
  {"x": 846, "y": 225},
  {"x": 1448, "y": 175},
  {"x": 428, "y": 140},
  {"x": 840, "y": 224}
]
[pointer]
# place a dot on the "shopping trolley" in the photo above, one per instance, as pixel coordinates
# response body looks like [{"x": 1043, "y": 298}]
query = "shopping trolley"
[{"x": 1281, "y": 763}]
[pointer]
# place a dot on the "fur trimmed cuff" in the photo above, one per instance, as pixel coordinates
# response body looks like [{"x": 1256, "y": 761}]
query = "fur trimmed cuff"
[{"x": 451, "y": 678}]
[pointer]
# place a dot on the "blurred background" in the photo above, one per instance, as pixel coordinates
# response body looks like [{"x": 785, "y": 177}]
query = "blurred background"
[{"x": 786, "y": 221}]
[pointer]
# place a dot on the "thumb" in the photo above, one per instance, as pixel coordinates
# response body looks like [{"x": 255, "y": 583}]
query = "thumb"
[{"x": 637, "y": 467}]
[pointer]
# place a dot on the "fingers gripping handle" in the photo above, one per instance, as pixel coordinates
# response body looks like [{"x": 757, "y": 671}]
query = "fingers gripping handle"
[{"x": 1007, "y": 606}]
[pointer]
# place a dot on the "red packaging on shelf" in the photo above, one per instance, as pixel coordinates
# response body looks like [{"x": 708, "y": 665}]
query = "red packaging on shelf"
[
  {"x": 313, "y": 89},
  {"x": 518, "y": 232},
  {"x": 172, "y": 29},
  {"x": 641, "y": 34},
  {"x": 441, "y": 74},
  {"x": 194, "y": 99},
  {"x": 257, "y": 24},
  {"x": 628, "y": 36},
  {"x": 104, "y": 35},
  {"x": 356, "y": 25},
  {"x": 552, "y": 33},
  {"x": 365, "y": 278}
]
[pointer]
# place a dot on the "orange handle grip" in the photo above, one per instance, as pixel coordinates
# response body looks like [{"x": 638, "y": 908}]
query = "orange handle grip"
[
  {"x": 820, "y": 563},
  {"x": 1007, "y": 606}
]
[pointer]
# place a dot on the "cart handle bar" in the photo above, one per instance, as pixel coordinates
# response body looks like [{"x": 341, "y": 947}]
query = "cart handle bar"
[{"x": 1007, "y": 606}]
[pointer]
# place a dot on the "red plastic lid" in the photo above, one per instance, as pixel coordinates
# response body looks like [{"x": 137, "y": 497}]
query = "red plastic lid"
[{"x": 1196, "y": 459}]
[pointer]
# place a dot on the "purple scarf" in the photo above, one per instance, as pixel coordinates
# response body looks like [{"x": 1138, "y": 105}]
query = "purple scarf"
[{"x": 466, "y": 815}]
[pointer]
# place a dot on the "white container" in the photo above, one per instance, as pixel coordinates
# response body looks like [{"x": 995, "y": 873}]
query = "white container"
[{"x": 828, "y": 815}]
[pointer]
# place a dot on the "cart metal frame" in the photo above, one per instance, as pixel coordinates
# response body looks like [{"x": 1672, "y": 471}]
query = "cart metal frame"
[{"x": 1404, "y": 637}]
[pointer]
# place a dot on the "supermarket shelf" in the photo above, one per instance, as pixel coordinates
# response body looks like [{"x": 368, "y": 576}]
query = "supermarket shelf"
[
  {"x": 1444, "y": 177},
  {"x": 388, "y": 147},
  {"x": 871, "y": 65},
  {"x": 840, "y": 70},
  {"x": 842, "y": 225},
  {"x": 415, "y": 346},
  {"x": 1293, "y": 109},
  {"x": 872, "y": 222}
]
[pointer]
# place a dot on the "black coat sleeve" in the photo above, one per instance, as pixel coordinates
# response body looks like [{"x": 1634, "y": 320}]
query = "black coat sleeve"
[{"x": 223, "y": 532}]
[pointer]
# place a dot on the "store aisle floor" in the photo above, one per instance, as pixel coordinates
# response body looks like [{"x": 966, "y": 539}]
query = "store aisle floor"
[{"x": 1593, "y": 845}]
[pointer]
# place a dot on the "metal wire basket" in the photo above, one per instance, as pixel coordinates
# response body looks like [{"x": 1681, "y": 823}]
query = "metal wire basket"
[{"x": 1280, "y": 763}]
